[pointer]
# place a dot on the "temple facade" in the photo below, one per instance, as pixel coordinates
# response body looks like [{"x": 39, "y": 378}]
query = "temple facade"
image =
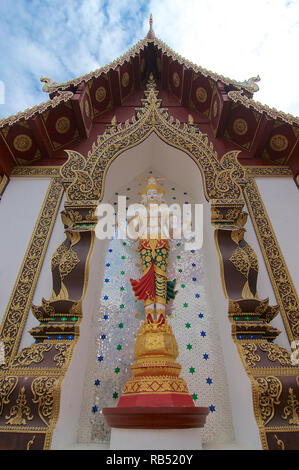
[{"x": 224, "y": 340}]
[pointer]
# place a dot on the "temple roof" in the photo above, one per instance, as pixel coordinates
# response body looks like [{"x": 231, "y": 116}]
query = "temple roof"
[{"x": 74, "y": 105}]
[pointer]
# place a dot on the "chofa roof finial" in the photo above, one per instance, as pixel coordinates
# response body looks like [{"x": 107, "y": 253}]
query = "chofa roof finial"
[{"x": 151, "y": 34}]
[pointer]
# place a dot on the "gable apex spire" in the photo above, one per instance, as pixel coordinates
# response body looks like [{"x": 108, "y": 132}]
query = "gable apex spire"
[{"x": 151, "y": 34}]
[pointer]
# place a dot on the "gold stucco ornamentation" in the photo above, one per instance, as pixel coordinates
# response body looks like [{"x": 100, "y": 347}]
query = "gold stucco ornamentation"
[
  {"x": 20, "y": 412},
  {"x": 276, "y": 353}
]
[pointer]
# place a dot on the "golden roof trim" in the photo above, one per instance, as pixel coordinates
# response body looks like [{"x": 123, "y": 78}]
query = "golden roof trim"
[
  {"x": 38, "y": 109},
  {"x": 238, "y": 97}
]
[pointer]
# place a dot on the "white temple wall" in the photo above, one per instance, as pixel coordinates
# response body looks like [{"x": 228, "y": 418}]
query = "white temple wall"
[{"x": 19, "y": 208}]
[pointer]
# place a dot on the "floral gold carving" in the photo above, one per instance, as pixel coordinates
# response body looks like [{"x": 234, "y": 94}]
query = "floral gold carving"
[
  {"x": 43, "y": 390},
  {"x": 269, "y": 392}
]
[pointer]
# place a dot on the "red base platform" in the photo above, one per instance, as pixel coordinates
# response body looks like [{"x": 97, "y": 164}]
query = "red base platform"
[{"x": 156, "y": 417}]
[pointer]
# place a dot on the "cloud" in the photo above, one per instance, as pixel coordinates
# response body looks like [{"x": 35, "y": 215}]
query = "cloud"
[{"x": 64, "y": 40}]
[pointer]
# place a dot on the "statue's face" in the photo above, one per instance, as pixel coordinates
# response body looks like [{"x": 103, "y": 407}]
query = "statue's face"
[{"x": 152, "y": 195}]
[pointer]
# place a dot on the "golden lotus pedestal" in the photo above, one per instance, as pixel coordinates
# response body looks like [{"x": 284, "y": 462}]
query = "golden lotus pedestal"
[{"x": 156, "y": 397}]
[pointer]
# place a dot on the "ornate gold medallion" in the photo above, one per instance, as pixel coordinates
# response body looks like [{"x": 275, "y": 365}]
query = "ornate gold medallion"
[
  {"x": 201, "y": 95},
  {"x": 87, "y": 108},
  {"x": 101, "y": 94},
  {"x": 215, "y": 108},
  {"x": 22, "y": 143},
  {"x": 62, "y": 125},
  {"x": 125, "y": 79},
  {"x": 176, "y": 79},
  {"x": 240, "y": 126},
  {"x": 278, "y": 142}
]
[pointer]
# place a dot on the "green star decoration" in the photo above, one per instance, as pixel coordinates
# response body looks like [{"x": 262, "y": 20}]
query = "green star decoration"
[
  {"x": 119, "y": 347},
  {"x": 189, "y": 347},
  {"x": 192, "y": 370},
  {"x": 185, "y": 305},
  {"x": 121, "y": 325},
  {"x": 122, "y": 306},
  {"x": 115, "y": 395},
  {"x": 117, "y": 370},
  {"x": 122, "y": 288},
  {"x": 122, "y": 273},
  {"x": 187, "y": 325},
  {"x": 183, "y": 286},
  {"x": 194, "y": 396}
]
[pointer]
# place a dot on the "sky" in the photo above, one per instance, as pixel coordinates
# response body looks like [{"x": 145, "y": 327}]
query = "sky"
[{"x": 66, "y": 39}]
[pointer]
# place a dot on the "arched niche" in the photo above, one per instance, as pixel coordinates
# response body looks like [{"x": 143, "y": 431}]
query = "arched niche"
[{"x": 77, "y": 392}]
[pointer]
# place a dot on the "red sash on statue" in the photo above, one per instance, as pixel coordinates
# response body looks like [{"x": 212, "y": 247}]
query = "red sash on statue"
[{"x": 144, "y": 288}]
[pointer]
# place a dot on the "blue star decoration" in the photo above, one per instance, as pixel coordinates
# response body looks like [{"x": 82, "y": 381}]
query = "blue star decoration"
[
  {"x": 94, "y": 409},
  {"x": 197, "y": 296},
  {"x": 107, "y": 280},
  {"x": 103, "y": 337},
  {"x": 100, "y": 358},
  {"x": 97, "y": 382},
  {"x": 205, "y": 356},
  {"x": 203, "y": 334},
  {"x": 106, "y": 317},
  {"x": 110, "y": 250},
  {"x": 200, "y": 315},
  {"x": 106, "y": 297},
  {"x": 209, "y": 381},
  {"x": 212, "y": 408}
]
